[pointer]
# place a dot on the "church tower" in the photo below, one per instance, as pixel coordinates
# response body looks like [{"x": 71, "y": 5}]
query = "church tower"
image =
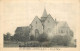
[
  {"x": 44, "y": 16},
  {"x": 44, "y": 13}
]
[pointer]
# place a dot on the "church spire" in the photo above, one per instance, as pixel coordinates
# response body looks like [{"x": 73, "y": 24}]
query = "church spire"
[{"x": 44, "y": 13}]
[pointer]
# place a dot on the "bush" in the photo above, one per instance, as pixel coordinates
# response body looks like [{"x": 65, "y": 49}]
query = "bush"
[
  {"x": 32, "y": 38},
  {"x": 7, "y": 37},
  {"x": 61, "y": 40},
  {"x": 18, "y": 37},
  {"x": 42, "y": 38},
  {"x": 30, "y": 44},
  {"x": 48, "y": 44},
  {"x": 22, "y": 34},
  {"x": 36, "y": 44}
]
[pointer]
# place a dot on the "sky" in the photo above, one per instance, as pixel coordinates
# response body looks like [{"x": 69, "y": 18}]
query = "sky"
[{"x": 21, "y": 13}]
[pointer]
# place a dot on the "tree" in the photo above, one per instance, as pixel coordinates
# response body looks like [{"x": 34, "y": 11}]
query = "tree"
[
  {"x": 22, "y": 34},
  {"x": 61, "y": 40},
  {"x": 12, "y": 38},
  {"x": 57, "y": 39},
  {"x": 32, "y": 38},
  {"x": 7, "y": 36},
  {"x": 66, "y": 39},
  {"x": 42, "y": 37}
]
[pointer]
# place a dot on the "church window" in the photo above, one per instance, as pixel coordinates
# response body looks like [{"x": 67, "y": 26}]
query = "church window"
[{"x": 36, "y": 22}]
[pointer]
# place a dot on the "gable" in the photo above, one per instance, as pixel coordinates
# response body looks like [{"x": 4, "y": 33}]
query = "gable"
[
  {"x": 49, "y": 20},
  {"x": 36, "y": 23},
  {"x": 36, "y": 20}
]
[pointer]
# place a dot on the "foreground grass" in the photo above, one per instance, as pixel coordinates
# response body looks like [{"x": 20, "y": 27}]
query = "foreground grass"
[{"x": 31, "y": 44}]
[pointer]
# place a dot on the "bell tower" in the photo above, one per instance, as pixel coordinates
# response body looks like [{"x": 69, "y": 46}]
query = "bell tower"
[{"x": 44, "y": 16}]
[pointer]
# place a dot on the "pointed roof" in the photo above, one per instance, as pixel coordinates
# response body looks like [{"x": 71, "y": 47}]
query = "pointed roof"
[
  {"x": 35, "y": 19},
  {"x": 44, "y": 13},
  {"x": 49, "y": 15}
]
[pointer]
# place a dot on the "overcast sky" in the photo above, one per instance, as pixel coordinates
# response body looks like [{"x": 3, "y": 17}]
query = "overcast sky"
[{"x": 21, "y": 13}]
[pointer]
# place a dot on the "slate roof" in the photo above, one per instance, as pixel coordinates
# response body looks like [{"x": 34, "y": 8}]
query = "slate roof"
[{"x": 22, "y": 29}]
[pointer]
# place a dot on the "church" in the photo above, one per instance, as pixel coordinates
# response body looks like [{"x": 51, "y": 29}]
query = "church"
[{"x": 46, "y": 24}]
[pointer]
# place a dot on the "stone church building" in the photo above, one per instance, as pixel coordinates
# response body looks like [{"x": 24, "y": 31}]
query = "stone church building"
[{"x": 46, "y": 24}]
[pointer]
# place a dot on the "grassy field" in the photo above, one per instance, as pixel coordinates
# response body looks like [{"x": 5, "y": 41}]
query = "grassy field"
[
  {"x": 31, "y": 44},
  {"x": 10, "y": 44}
]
